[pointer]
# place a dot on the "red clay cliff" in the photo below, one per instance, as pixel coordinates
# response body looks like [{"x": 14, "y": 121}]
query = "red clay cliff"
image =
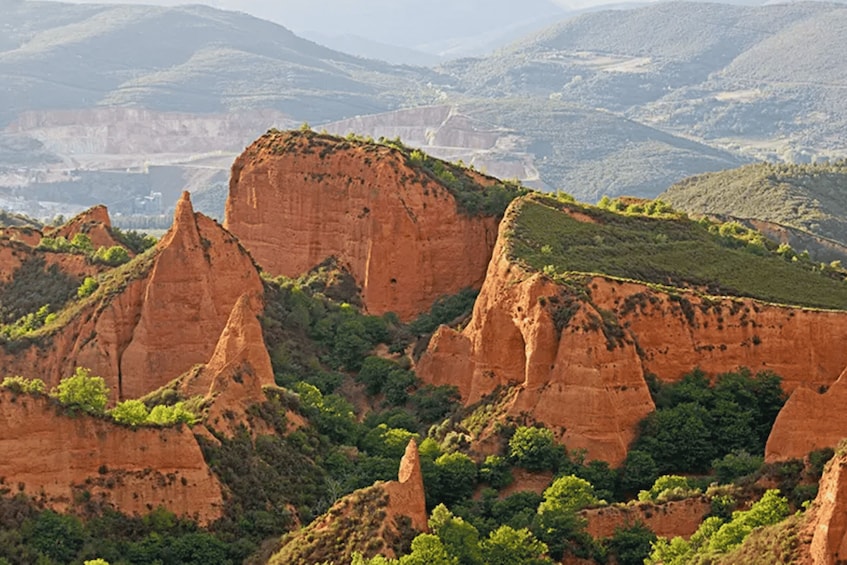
[
  {"x": 592, "y": 385},
  {"x": 296, "y": 199}
]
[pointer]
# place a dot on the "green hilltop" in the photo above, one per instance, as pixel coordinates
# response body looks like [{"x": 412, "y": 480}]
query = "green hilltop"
[
  {"x": 649, "y": 242},
  {"x": 812, "y": 198}
]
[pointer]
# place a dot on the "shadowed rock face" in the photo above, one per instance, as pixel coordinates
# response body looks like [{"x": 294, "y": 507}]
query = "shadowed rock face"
[
  {"x": 826, "y": 519},
  {"x": 134, "y": 470},
  {"x": 593, "y": 386},
  {"x": 297, "y": 198},
  {"x": 239, "y": 368},
  {"x": 164, "y": 319},
  {"x": 810, "y": 420}
]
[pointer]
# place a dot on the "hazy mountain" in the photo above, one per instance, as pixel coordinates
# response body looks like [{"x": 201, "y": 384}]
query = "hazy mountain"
[
  {"x": 191, "y": 58},
  {"x": 764, "y": 79}
]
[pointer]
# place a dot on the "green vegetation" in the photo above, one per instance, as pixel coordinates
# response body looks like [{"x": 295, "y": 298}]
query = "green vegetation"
[
  {"x": 134, "y": 241},
  {"x": 807, "y": 197},
  {"x": 113, "y": 256},
  {"x": 87, "y": 288},
  {"x": 32, "y": 535},
  {"x": 696, "y": 423},
  {"x": 716, "y": 537},
  {"x": 81, "y": 391},
  {"x": 33, "y": 285},
  {"x": 675, "y": 252},
  {"x": 21, "y": 385},
  {"x": 135, "y": 413}
]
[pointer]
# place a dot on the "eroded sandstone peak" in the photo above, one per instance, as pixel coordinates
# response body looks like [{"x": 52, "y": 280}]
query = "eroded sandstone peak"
[
  {"x": 407, "y": 496},
  {"x": 154, "y": 318},
  {"x": 198, "y": 276},
  {"x": 239, "y": 368},
  {"x": 297, "y": 198},
  {"x": 372, "y": 521}
]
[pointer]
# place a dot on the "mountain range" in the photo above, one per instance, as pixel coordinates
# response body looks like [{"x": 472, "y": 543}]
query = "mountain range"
[{"x": 607, "y": 102}]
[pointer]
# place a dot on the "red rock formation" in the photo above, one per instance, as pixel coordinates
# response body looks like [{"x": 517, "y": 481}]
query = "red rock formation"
[
  {"x": 367, "y": 521},
  {"x": 297, "y": 198},
  {"x": 239, "y": 368},
  {"x": 29, "y": 236},
  {"x": 593, "y": 385},
  {"x": 406, "y": 496},
  {"x": 135, "y": 470},
  {"x": 826, "y": 519},
  {"x": 677, "y": 518},
  {"x": 163, "y": 319},
  {"x": 809, "y": 421},
  {"x": 94, "y": 222}
]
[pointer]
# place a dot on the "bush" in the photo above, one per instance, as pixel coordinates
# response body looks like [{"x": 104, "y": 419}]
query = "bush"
[
  {"x": 23, "y": 385},
  {"x": 83, "y": 392},
  {"x": 668, "y": 487},
  {"x": 113, "y": 256},
  {"x": 87, "y": 288},
  {"x": 130, "y": 412},
  {"x": 631, "y": 545},
  {"x": 736, "y": 465},
  {"x": 171, "y": 415}
]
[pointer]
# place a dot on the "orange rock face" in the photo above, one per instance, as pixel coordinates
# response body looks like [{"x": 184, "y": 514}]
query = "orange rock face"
[
  {"x": 810, "y": 420},
  {"x": 94, "y": 222},
  {"x": 135, "y": 470},
  {"x": 826, "y": 519},
  {"x": 588, "y": 377},
  {"x": 239, "y": 367},
  {"x": 199, "y": 274},
  {"x": 677, "y": 518},
  {"x": 406, "y": 496},
  {"x": 296, "y": 199},
  {"x": 162, "y": 322}
]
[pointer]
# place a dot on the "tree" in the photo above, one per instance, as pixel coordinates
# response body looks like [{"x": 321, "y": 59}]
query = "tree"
[
  {"x": 631, "y": 545},
  {"x": 88, "y": 286},
  {"x": 455, "y": 477},
  {"x": 638, "y": 472},
  {"x": 83, "y": 392},
  {"x": 507, "y": 546},
  {"x": 535, "y": 449},
  {"x": 427, "y": 549},
  {"x": 770, "y": 509},
  {"x": 568, "y": 493}
]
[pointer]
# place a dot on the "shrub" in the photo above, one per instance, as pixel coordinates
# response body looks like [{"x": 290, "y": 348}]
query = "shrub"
[
  {"x": 87, "y": 288},
  {"x": 130, "y": 412},
  {"x": 113, "y": 256},
  {"x": 668, "y": 487},
  {"x": 23, "y": 385},
  {"x": 82, "y": 391},
  {"x": 170, "y": 415}
]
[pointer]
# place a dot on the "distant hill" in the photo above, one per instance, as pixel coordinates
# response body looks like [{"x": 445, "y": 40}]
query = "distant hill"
[
  {"x": 188, "y": 59},
  {"x": 812, "y": 198},
  {"x": 745, "y": 78},
  {"x": 548, "y": 144}
]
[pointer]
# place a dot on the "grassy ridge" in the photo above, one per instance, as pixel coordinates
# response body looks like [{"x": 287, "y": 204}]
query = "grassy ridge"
[
  {"x": 812, "y": 198},
  {"x": 672, "y": 251}
]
